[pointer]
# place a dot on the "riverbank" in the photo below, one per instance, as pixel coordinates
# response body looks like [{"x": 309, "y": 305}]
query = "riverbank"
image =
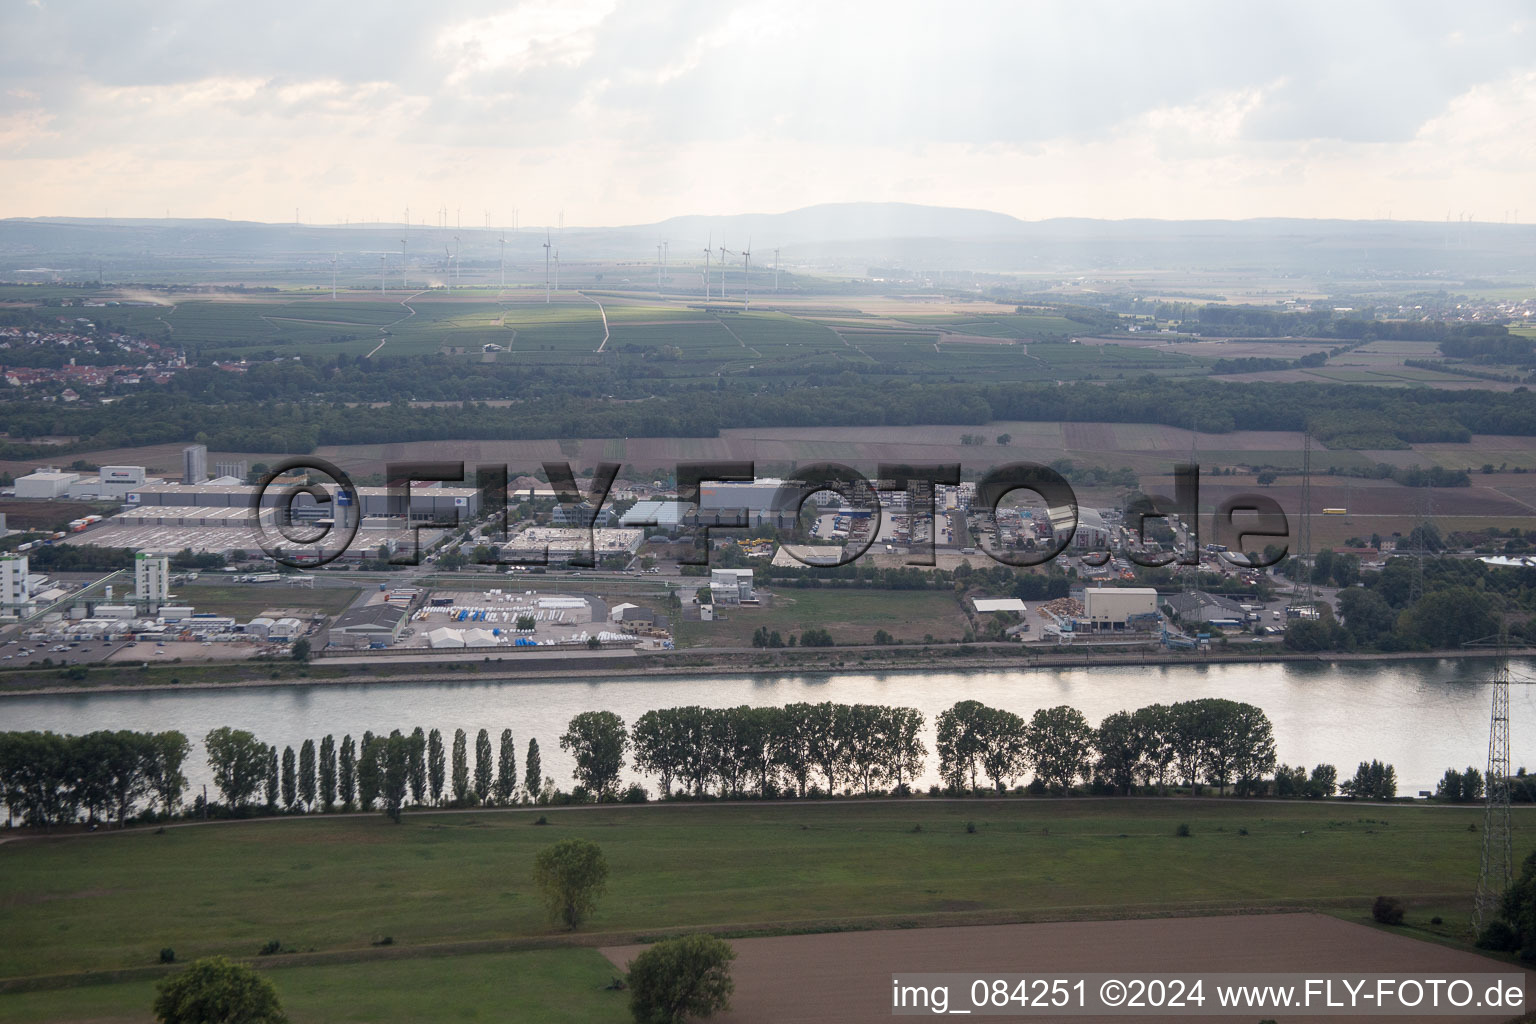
[{"x": 224, "y": 675}]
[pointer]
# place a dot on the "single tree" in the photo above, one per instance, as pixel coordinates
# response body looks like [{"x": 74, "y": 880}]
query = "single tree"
[
  {"x": 301, "y": 649},
  {"x": 328, "y": 773},
  {"x": 460, "y": 766},
  {"x": 239, "y": 763},
  {"x": 274, "y": 777},
  {"x": 902, "y": 752},
  {"x": 1122, "y": 748},
  {"x": 1059, "y": 740},
  {"x": 347, "y": 775},
  {"x": 168, "y": 752},
  {"x": 290, "y": 779},
  {"x": 533, "y": 770},
  {"x": 681, "y": 979},
  {"x": 484, "y": 774},
  {"x": 960, "y": 732},
  {"x": 418, "y": 773},
  {"x": 598, "y": 741},
  {"x": 506, "y": 769},
  {"x": 370, "y": 769},
  {"x": 436, "y": 766},
  {"x": 394, "y": 755},
  {"x": 216, "y": 991},
  {"x": 307, "y": 774},
  {"x": 570, "y": 875},
  {"x": 1004, "y": 748}
]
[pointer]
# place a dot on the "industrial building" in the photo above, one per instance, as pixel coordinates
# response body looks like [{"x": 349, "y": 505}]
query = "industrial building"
[
  {"x": 45, "y": 483},
  {"x": 371, "y": 624},
  {"x": 731, "y": 586},
  {"x": 1115, "y": 609},
  {"x": 987, "y": 605},
  {"x": 151, "y": 579},
  {"x": 1092, "y": 534},
  {"x": 194, "y": 464},
  {"x": 15, "y": 586},
  {"x": 666, "y": 516},
  {"x": 428, "y": 504},
  {"x": 561, "y": 544},
  {"x": 1198, "y": 606},
  {"x": 110, "y": 482}
]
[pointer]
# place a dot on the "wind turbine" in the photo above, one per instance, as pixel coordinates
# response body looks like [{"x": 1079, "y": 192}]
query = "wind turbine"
[
  {"x": 457, "y": 263},
  {"x": 775, "y": 271},
  {"x": 658, "y": 268},
  {"x": 546, "y": 266},
  {"x": 404, "y": 266},
  {"x": 708, "y": 249},
  {"x": 746, "y": 278},
  {"x": 557, "y": 270},
  {"x": 723, "y": 252},
  {"x": 383, "y": 266},
  {"x": 503, "y": 260},
  {"x": 448, "y": 277},
  {"x": 333, "y": 277}
]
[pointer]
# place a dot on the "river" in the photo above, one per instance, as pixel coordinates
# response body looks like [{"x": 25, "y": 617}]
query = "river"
[{"x": 1423, "y": 716}]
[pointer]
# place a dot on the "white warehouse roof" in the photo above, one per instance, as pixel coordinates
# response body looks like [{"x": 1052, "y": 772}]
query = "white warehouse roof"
[{"x": 998, "y": 604}]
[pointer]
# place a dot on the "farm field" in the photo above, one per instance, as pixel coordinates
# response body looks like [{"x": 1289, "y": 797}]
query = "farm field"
[
  {"x": 335, "y": 885},
  {"x": 851, "y": 616},
  {"x": 567, "y": 331},
  {"x": 845, "y": 978}
]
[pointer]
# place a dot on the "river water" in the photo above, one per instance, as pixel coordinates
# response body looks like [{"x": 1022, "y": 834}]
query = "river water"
[{"x": 1423, "y": 716}]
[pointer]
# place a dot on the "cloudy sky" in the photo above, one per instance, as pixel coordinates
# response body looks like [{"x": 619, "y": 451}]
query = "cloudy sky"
[{"x": 629, "y": 112}]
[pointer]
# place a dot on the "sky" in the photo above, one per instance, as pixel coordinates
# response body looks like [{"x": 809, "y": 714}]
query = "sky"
[{"x": 627, "y": 113}]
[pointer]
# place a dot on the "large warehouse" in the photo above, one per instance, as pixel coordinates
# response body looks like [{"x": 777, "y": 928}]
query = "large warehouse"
[
  {"x": 427, "y": 502},
  {"x": 1113, "y": 609}
]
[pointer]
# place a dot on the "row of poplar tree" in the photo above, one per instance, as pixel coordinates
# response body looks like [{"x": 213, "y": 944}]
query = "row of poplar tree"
[{"x": 378, "y": 771}]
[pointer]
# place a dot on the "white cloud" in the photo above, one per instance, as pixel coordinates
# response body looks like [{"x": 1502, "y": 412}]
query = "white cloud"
[
  {"x": 633, "y": 111},
  {"x": 534, "y": 34}
]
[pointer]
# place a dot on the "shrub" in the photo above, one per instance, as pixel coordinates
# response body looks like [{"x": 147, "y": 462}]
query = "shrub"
[
  {"x": 570, "y": 875},
  {"x": 1499, "y": 936},
  {"x": 1387, "y": 910},
  {"x": 167, "y": 955},
  {"x": 217, "y": 990},
  {"x": 970, "y": 828},
  {"x": 681, "y": 979},
  {"x": 1182, "y": 831},
  {"x": 274, "y": 946},
  {"x": 635, "y": 794}
]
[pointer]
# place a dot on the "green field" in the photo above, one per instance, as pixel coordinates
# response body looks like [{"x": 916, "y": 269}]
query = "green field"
[
  {"x": 558, "y": 986},
  {"x": 445, "y": 884},
  {"x": 565, "y": 334},
  {"x": 245, "y": 600},
  {"x": 851, "y": 616}
]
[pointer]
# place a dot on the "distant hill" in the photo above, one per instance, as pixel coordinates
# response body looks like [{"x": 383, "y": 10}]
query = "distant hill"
[{"x": 847, "y": 236}]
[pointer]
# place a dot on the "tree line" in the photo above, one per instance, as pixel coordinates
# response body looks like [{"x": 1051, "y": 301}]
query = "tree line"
[
  {"x": 813, "y": 750},
  {"x": 801, "y": 750},
  {"x": 49, "y": 779},
  {"x": 226, "y": 411}
]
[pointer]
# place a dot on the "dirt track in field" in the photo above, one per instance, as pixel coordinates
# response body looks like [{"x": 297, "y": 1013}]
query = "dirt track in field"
[{"x": 846, "y": 977}]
